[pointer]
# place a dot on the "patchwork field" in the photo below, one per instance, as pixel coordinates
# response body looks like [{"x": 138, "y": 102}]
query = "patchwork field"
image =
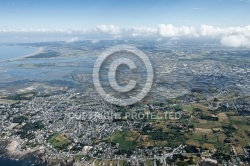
[
  {"x": 125, "y": 139},
  {"x": 59, "y": 141},
  {"x": 223, "y": 118}
]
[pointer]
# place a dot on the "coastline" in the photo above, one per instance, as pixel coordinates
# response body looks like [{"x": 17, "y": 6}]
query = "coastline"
[
  {"x": 40, "y": 50},
  {"x": 11, "y": 154},
  {"x": 12, "y": 150},
  {"x": 36, "y": 156}
]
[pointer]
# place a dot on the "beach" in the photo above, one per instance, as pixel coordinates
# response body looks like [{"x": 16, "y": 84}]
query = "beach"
[
  {"x": 40, "y": 50},
  {"x": 12, "y": 149}
]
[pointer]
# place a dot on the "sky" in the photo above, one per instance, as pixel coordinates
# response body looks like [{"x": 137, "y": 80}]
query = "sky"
[{"x": 28, "y": 20}]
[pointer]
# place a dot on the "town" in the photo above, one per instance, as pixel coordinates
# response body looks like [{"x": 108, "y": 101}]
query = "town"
[{"x": 87, "y": 130}]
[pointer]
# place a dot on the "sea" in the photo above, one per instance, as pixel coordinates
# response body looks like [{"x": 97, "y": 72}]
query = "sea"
[
  {"x": 8, "y": 52},
  {"x": 28, "y": 161}
]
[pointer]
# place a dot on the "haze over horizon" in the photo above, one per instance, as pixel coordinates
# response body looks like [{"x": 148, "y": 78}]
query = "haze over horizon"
[{"x": 40, "y": 21}]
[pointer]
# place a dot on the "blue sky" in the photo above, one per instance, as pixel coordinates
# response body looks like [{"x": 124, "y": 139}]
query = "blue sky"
[
  {"x": 52, "y": 14},
  {"x": 72, "y": 20}
]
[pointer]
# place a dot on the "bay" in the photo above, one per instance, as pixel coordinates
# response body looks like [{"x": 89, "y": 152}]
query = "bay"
[
  {"x": 8, "y": 52},
  {"x": 28, "y": 161}
]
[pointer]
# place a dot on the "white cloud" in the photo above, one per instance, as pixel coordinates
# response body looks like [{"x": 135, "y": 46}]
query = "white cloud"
[
  {"x": 228, "y": 36},
  {"x": 95, "y": 41},
  {"x": 72, "y": 40},
  {"x": 206, "y": 30},
  {"x": 143, "y": 31},
  {"x": 236, "y": 41},
  {"x": 110, "y": 29},
  {"x": 171, "y": 31},
  {"x": 31, "y": 30}
]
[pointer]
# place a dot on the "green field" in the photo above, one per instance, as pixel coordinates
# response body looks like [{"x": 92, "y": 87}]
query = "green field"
[
  {"x": 126, "y": 139},
  {"x": 59, "y": 141}
]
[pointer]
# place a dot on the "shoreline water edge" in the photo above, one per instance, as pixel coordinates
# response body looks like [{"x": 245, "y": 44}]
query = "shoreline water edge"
[{"x": 40, "y": 50}]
